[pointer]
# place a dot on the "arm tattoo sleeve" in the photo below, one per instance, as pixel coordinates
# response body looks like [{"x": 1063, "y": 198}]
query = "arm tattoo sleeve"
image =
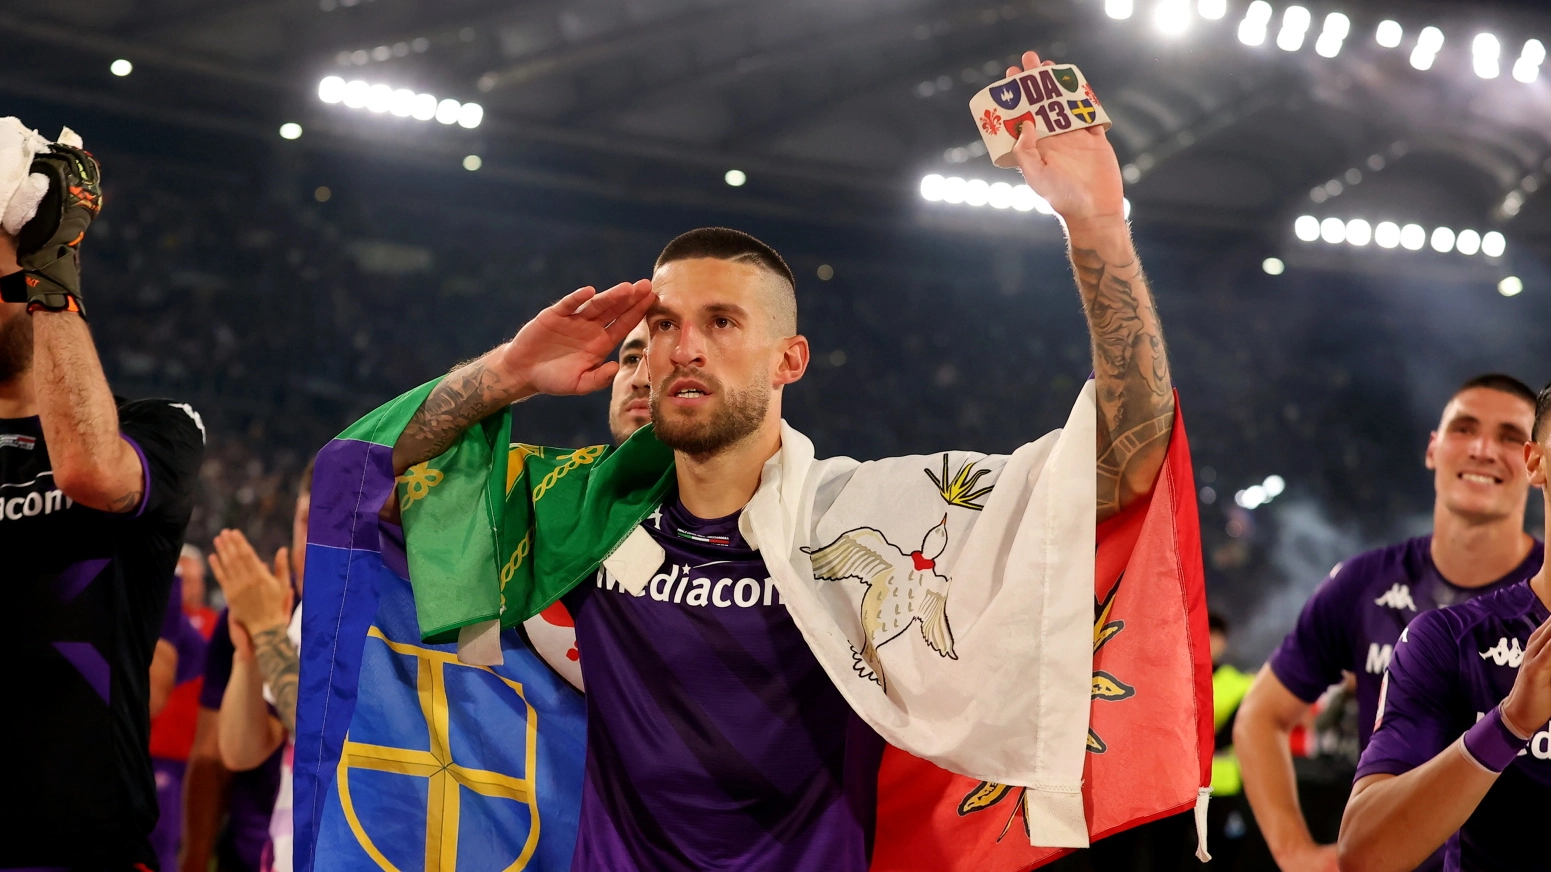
[
  {"x": 468, "y": 395},
  {"x": 280, "y": 667},
  {"x": 1135, "y": 394}
]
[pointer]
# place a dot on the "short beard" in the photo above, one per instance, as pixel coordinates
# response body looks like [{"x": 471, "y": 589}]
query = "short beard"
[
  {"x": 15, "y": 347},
  {"x": 740, "y": 415}
]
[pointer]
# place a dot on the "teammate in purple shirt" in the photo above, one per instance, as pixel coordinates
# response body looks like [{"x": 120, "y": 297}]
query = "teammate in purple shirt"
[
  {"x": 715, "y": 741},
  {"x": 1352, "y": 622},
  {"x": 1462, "y": 750}
]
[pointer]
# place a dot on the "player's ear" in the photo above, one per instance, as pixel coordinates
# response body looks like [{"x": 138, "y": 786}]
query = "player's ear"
[
  {"x": 793, "y": 361},
  {"x": 1535, "y": 462},
  {"x": 1432, "y": 443}
]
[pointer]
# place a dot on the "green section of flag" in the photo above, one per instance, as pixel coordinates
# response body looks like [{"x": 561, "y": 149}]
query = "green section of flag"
[{"x": 480, "y": 550}]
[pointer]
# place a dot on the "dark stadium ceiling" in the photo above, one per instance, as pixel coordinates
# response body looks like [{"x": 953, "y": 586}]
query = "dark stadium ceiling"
[{"x": 853, "y": 99}]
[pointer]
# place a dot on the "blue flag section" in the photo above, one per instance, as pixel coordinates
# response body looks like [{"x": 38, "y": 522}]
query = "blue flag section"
[{"x": 406, "y": 758}]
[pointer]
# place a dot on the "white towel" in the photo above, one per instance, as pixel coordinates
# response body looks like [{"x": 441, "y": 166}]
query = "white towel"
[{"x": 21, "y": 191}]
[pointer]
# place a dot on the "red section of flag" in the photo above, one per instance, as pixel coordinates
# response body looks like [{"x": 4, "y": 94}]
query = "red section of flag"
[{"x": 1152, "y": 690}]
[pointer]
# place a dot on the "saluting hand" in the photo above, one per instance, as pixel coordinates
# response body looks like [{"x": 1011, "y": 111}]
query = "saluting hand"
[
  {"x": 1528, "y": 706},
  {"x": 1076, "y": 172},
  {"x": 565, "y": 350}
]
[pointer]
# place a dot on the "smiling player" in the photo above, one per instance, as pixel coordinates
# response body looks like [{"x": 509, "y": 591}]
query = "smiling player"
[
  {"x": 1352, "y": 622},
  {"x": 1462, "y": 742}
]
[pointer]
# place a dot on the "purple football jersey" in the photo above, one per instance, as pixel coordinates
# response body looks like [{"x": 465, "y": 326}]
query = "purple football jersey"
[
  {"x": 714, "y": 738},
  {"x": 1449, "y": 668},
  {"x": 1352, "y": 621}
]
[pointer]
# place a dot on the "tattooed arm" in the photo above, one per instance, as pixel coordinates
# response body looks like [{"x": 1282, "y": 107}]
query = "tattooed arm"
[
  {"x": 1131, "y": 370},
  {"x": 1077, "y": 173},
  {"x": 563, "y": 351}
]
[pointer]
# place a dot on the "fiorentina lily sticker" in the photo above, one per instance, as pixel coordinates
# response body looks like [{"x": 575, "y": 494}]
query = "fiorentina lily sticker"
[{"x": 1054, "y": 100}]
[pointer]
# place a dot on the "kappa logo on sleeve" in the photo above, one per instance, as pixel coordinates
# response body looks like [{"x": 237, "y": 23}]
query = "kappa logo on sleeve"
[{"x": 1505, "y": 653}]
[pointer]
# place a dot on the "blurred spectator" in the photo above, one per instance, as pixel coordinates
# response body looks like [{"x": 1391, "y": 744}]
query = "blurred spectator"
[
  {"x": 258, "y": 711},
  {"x": 172, "y": 730},
  {"x": 1228, "y": 816}
]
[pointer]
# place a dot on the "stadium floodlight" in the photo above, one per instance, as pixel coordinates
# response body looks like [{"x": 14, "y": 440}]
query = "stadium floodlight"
[
  {"x": 379, "y": 98},
  {"x": 931, "y": 188},
  {"x": 1273, "y": 266},
  {"x": 1118, "y": 9},
  {"x": 1389, "y": 34},
  {"x": 1306, "y": 228},
  {"x": 290, "y": 130},
  {"x": 976, "y": 192},
  {"x": 1493, "y": 244},
  {"x": 1428, "y": 43},
  {"x": 1295, "y": 25},
  {"x": 121, "y": 68},
  {"x": 1511, "y": 286},
  {"x": 1468, "y": 242},
  {"x": 1527, "y": 68},
  {"x": 1172, "y": 17},
  {"x": 355, "y": 94},
  {"x": 470, "y": 114},
  {"x": 424, "y": 107},
  {"x": 1252, "y": 30},
  {"x": 473, "y": 162},
  {"x": 447, "y": 111},
  {"x": 402, "y": 103},
  {"x": 735, "y": 178},
  {"x": 1000, "y": 195},
  {"x": 1335, "y": 30},
  {"x": 1333, "y": 231},
  {"x": 1212, "y": 10},
  {"x": 1485, "y": 51},
  {"x": 1442, "y": 240},
  {"x": 331, "y": 89},
  {"x": 1413, "y": 237},
  {"x": 1274, "y": 486},
  {"x": 953, "y": 190},
  {"x": 1024, "y": 198},
  {"x": 1386, "y": 234},
  {"x": 1358, "y": 232}
]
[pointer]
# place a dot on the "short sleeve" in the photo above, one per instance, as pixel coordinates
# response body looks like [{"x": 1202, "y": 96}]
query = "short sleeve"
[
  {"x": 218, "y": 664},
  {"x": 1314, "y": 654},
  {"x": 170, "y": 439},
  {"x": 1417, "y": 716}
]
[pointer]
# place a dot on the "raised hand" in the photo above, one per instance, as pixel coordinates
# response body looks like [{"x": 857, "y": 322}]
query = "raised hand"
[
  {"x": 258, "y": 597},
  {"x": 1528, "y": 706},
  {"x": 1076, "y": 172},
  {"x": 566, "y": 349},
  {"x": 563, "y": 351}
]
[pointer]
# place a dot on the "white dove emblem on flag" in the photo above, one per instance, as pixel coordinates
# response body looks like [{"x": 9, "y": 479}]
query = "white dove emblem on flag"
[{"x": 902, "y": 588}]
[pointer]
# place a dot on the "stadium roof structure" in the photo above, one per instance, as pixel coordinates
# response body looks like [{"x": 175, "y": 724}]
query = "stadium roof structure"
[{"x": 830, "y": 106}]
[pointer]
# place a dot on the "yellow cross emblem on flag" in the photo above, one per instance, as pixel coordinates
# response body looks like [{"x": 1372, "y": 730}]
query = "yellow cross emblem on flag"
[{"x": 447, "y": 778}]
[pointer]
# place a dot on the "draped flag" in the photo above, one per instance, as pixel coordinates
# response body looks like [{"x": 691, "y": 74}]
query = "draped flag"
[
  {"x": 407, "y": 758},
  {"x": 1150, "y": 733},
  {"x": 413, "y": 752}
]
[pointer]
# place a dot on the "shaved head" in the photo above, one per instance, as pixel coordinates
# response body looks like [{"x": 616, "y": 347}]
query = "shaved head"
[{"x": 777, "y": 285}]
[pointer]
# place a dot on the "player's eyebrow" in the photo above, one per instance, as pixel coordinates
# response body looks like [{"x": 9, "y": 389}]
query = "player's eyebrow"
[
  {"x": 636, "y": 344},
  {"x": 1513, "y": 431}
]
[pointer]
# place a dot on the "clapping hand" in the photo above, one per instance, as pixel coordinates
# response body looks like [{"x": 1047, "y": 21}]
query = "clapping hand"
[{"x": 258, "y": 597}]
